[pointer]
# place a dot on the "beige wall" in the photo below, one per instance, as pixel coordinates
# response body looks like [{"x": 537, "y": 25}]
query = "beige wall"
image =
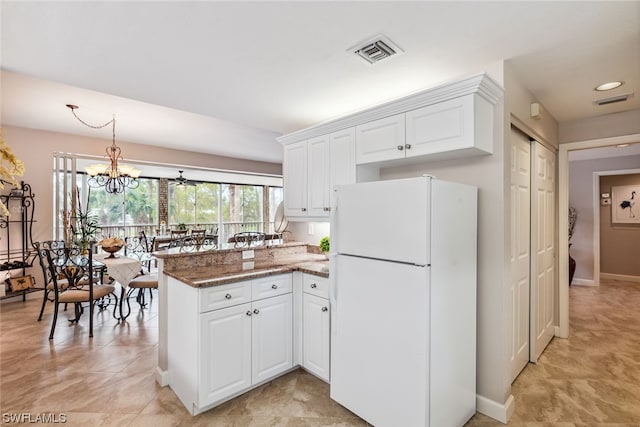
[
  {"x": 582, "y": 198},
  {"x": 619, "y": 243},
  {"x": 625, "y": 123},
  {"x": 36, "y": 149}
]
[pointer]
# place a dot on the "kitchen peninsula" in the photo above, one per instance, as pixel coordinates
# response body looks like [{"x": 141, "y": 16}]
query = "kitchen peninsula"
[{"x": 231, "y": 319}]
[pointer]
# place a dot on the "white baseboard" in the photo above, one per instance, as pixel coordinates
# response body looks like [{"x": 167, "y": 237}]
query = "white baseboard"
[
  {"x": 623, "y": 277},
  {"x": 498, "y": 411},
  {"x": 162, "y": 377},
  {"x": 583, "y": 282}
]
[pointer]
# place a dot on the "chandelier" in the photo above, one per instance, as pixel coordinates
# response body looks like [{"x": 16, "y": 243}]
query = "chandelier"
[{"x": 113, "y": 177}]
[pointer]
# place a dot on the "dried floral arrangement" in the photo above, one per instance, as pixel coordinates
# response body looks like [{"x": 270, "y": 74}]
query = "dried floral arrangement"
[{"x": 10, "y": 169}]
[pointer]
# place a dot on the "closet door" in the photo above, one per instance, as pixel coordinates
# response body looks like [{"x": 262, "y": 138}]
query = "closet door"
[
  {"x": 543, "y": 262},
  {"x": 520, "y": 256}
]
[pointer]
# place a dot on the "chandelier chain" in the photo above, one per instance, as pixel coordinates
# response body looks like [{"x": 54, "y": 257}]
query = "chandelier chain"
[{"x": 112, "y": 121}]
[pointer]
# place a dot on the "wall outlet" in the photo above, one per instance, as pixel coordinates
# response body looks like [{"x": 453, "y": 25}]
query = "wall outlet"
[
  {"x": 310, "y": 229},
  {"x": 605, "y": 202},
  {"x": 2, "y": 291},
  {"x": 248, "y": 254},
  {"x": 248, "y": 265}
]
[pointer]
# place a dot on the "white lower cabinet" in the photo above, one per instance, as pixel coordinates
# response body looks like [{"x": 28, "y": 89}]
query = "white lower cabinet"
[
  {"x": 316, "y": 323},
  {"x": 225, "y": 353},
  {"x": 316, "y": 335},
  {"x": 215, "y": 354},
  {"x": 271, "y": 337},
  {"x": 244, "y": 345}
]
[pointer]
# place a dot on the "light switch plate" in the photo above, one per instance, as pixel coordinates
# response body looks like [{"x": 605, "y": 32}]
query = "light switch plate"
[
  {"x": 248, "y": 265},
  {"x": 248, "y": 254}
]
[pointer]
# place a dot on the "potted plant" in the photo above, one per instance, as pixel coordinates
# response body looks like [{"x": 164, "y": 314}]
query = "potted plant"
[
  {"x": 85, "y": 229},
  {"x": 325, "y": 245}
]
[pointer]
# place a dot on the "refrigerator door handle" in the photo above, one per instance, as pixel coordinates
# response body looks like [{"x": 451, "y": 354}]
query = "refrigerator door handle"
[{"x": 333, "y": 290}]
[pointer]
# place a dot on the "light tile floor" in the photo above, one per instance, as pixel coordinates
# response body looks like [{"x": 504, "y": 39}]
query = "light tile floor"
[{"x": 592, "y": 379}]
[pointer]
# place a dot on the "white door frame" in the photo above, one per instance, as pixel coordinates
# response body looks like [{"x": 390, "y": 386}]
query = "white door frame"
[
  {"x": 563, "y": 219},
  {"x": 596, "y": 216}
]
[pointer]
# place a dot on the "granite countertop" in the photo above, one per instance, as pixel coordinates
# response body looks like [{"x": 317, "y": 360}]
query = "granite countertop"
[
  {"x": 220, "y": 249},
  {"x": 220, "y": 274}
]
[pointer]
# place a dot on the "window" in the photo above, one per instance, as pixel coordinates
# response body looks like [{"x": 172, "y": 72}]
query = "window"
[
  {"x": 241, "y": 209},
  {"x": 276, "y": 196},
  {"x": 127, "y": 213},
  {"x": 195, "y": 206}
]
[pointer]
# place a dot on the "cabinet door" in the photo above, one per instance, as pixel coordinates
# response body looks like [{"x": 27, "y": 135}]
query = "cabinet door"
[
  {"x": 295, "y": 179},
  {"x": 318, "y": 195},
  {"x": 343, "y": 158},
  {"x": 443, "y": 127},
  {"x": 225, "y": 353},
  {"x": 380, "y": 140},
  {"x": 316, "y": 335},
  {"x": 272, "y": 337}
]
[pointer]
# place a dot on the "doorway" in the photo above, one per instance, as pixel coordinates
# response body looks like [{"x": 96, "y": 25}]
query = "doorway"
[{"x": 563, "y": 220}]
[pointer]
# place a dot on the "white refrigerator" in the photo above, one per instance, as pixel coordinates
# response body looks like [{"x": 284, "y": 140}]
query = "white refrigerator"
[{"x": 403, "y": 295}]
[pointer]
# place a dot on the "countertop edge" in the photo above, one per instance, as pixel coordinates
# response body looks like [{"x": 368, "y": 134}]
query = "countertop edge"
[{"x": 303, "y": 267}]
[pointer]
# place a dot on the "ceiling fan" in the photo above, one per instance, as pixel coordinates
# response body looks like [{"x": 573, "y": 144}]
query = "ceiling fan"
[{"x": 182, "y": 181}]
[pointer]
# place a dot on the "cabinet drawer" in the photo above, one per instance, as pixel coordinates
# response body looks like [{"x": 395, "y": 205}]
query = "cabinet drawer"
[
  {"x": 315, "y": 285},
  {"x": 222, "y": 296},
  {"x": 271, "y": 286}
]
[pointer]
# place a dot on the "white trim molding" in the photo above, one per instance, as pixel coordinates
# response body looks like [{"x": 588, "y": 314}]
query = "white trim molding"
[
  {"x": 623, "y": 277},
  {"x": 161, "y": 376},
  {"x": 583, "y": 282},
  {"x": 480, "y": 84},
  {"x": 498, "y": 411}
]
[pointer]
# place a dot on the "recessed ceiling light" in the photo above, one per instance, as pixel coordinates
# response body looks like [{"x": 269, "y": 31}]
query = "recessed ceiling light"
[{"x": 608, "y": 86}]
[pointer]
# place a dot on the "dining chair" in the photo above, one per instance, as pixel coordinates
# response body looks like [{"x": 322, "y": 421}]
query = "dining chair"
[
  {"x": 176, "y": 234},
  {"x": 248, "y": 238},
  {"x": 198, "y": 232},
  {"x": 46, "y": 272},
  {"x": 77, "y": 270},
  {"x": 141, "y": 248},
  {"x": 144, "y": 281}
]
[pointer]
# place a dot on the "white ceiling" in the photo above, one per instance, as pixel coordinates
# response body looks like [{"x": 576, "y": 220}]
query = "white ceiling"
[{"x": 227, "y": 77}]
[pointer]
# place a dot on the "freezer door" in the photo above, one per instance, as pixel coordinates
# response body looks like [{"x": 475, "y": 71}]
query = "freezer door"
[
  {"x": 379, "y": 350},
  {"x": 384, "y": 220}
]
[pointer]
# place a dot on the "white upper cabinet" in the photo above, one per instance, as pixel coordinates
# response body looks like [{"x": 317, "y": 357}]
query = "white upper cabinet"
[
  {"x": 453, "y": 120},
  {"x": 380, "y": 140},
  {"x": 343, "y": 157},
  {"x": 312, "y": 169},
  {"x": 455, "y": 128},
  {"x": 318, "y": 171},
  {"x": 295, "y": 179}
]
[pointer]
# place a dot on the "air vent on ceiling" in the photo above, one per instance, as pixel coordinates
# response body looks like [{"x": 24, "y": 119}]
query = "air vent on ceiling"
[
  {"x": 613, "y": 99},
  {"x": 376, "y": 49}
]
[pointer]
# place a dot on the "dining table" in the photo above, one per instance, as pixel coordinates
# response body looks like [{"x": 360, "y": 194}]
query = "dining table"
[{"x": 123, "y": 269}]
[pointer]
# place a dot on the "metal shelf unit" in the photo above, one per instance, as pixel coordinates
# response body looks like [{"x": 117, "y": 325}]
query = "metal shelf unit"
[{"x": 17, "y": 227}]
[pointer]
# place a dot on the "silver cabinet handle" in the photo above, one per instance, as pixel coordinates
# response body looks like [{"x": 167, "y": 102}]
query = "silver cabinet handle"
[
  {"x": 228, "y": 296},
  {"x": 274, "y": 286},
  {"x": 304, "y": 209},
  {"x": 407, "y": 146},
  {"x": 324, "y": 309},
  {"x": 256, "y": 311},
  {"x": 327, "y": 209},
  {"x": 313, "y": 286},
  {"x": 248, "y": 312},
  {"x": 400, "y": 147}
]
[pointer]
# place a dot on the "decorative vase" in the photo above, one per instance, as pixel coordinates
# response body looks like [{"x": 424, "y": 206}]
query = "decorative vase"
[{"x": 572, "y": 267}]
